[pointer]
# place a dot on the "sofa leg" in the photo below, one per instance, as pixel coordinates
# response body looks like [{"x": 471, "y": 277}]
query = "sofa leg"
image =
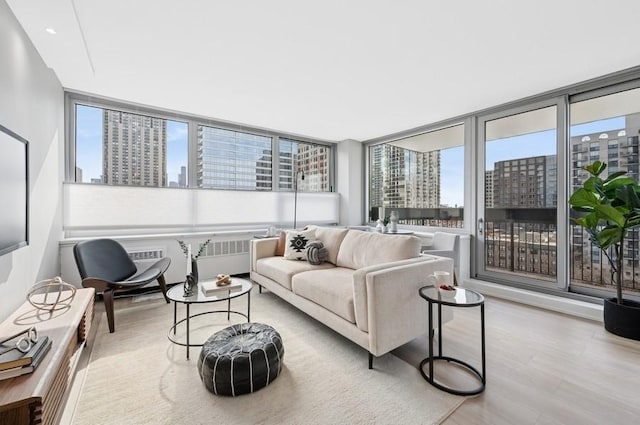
[
  {"x": 259, "y": 288},
  {"x": 370, "y": 361}
]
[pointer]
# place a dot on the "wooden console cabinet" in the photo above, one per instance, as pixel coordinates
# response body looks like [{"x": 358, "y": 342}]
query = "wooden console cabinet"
[{"x": 39, "y": 397}]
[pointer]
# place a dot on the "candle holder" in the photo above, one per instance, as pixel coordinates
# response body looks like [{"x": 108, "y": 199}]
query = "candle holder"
[{"x": 189, "y": 286}]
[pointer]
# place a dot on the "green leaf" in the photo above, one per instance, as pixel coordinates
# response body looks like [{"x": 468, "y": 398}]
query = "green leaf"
[
  {"x": 609, "y": 236},
  {"x": 596, "y": 168},
  {"x": 615, "y": 175},
  {"x": 609, "y": 213},
  {"x": 593, "y": 184},
  {"x": 589, "y": 221},
  {"x": 583, "y": 198},
  {"x": 628, "y": 196},
  {"x": 611, "y": 186}
]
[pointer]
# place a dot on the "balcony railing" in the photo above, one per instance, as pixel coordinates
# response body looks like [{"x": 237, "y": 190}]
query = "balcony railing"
[
  {"x": 437, "y": 217},
  {"x": 523, "y": 241}
]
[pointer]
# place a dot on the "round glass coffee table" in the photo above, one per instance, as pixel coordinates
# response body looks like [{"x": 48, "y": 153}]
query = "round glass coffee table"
[
  {"x": 176, "y": 294},
  {"x": 462, "y": 298}
]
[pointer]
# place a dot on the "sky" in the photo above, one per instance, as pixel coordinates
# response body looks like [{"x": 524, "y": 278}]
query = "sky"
[{"x": 522, "y": 146}]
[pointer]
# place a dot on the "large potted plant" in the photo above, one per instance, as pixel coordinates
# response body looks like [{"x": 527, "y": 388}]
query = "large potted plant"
[{"x": 608, "y": 209}]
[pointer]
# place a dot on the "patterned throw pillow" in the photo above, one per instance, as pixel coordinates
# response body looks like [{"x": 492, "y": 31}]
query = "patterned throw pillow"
[
  {"x": 316, "y": 253},
  {"x": 297, "y": 241}
]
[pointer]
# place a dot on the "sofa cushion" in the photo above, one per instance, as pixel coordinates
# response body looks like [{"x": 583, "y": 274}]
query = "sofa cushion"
[
  {"x": 361, "y": 249},
  {"x": 281, "y": 270},
  {"x": 330, "y": 288},
  {"x": 331, "y": 238},
  {"x": 297, "y": 241}
]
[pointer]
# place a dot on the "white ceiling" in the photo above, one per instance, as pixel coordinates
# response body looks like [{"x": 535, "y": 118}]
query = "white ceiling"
[{"x": 332, "y": 69}]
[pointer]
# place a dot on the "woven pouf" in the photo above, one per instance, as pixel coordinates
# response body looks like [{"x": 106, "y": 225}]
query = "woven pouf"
[{"x": 241, "y": 359}]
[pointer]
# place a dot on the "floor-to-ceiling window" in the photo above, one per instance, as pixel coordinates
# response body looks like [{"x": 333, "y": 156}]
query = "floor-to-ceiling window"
[
  {"x": 517, "y": 233},
  {"x": 604, "y": 127},
  {"x": 421, "y": 177},
  {"x": 526, "y": 160}
]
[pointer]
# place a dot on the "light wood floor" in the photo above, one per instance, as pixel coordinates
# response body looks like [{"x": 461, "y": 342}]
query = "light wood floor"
[{"x": 542, "y": 368}]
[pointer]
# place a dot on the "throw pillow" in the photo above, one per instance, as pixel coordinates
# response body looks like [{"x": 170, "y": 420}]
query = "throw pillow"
[
  {"x": 316, "y": 253},
  {"x": 295, "y": 249},
  {"x": 282, "y": 241}
]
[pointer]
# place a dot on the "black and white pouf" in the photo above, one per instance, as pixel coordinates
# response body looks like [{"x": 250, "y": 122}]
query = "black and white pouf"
[{"x": 241, "y": 359}]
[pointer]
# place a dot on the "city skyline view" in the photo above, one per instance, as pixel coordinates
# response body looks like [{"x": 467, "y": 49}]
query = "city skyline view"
[{"x": 89, "y": 127}]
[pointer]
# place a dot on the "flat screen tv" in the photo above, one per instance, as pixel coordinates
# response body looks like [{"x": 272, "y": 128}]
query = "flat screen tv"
[{"x": 14, "y": 191}]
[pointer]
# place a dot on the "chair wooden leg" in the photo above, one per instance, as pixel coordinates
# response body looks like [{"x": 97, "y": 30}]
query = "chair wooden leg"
[
  {"x": 107, "y": 295},
  {"x": 163, "y": 287}
]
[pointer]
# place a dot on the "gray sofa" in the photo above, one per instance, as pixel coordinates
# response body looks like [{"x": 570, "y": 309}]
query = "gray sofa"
[{"x": 367, "y": 290}]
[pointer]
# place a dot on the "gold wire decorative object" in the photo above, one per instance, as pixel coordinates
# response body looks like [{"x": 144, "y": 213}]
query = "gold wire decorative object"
[{"x": 57, "y": 294}]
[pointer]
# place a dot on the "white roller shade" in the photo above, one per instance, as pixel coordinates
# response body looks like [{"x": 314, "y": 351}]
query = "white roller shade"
[
  {"x": 434, "y": 140},
  {"x": 610, "y": 106},
  {"x": 525, "y": 123},
  {"x": 97, "y": 206}
]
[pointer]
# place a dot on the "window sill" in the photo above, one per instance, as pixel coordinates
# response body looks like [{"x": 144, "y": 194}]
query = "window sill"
[{"x": 583, "y": 309}]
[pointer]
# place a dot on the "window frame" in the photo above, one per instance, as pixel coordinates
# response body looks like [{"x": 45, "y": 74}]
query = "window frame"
[
  {"x": 619, "y": 81},
  {"x": 73, "y": 98},
  {"x": 430, "y": 128}
]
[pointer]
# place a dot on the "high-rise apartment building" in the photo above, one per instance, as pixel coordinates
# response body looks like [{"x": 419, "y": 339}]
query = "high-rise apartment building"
[
  {"x": 134, "y": 149},
  {"x": 313, "y": 161},
  {"x": 525, "y": 182},
  {"x": 488, "y": 189},
  {"x": 521, "y": 245},
  {"x": 233, "y": 160},
  {"x": 402, "y": 178},
  {"x": 182, "y": 177}
]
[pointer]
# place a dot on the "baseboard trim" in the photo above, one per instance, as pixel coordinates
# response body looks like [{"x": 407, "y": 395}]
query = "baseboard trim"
[{"x": 569, "y": 306}]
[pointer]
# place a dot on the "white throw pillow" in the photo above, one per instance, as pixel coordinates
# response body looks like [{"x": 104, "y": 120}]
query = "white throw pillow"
[{"x": 296, "y": 244}]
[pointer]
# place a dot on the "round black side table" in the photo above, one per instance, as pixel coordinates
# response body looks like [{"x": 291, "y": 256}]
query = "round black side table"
[{"x": 463, "y": 298}]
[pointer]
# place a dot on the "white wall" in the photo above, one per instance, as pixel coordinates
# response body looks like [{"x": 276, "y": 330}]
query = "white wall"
[
  {"x": 350, "y": 181},
  {"x": 31, "y": 105}
]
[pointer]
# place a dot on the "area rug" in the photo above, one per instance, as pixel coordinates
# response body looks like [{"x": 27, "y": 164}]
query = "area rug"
[{"x": 136, "y": 376}]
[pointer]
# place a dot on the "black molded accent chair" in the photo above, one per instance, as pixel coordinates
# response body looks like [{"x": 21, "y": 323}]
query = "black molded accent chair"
[{"x": 105, "y": 265}]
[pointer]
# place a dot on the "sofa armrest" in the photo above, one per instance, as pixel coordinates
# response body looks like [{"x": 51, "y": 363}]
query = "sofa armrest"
[
  {"x": 360, "y": 287},
  {"x": 396, "y": 313},
  {"x": 439, "y": 253},
  {"x": 262, "y": 248}
]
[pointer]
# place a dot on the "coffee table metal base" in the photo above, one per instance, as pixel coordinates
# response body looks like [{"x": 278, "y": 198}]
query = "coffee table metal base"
[
  {"x": 188, "y": 317},
  {"x": 188, "y": 344}
]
